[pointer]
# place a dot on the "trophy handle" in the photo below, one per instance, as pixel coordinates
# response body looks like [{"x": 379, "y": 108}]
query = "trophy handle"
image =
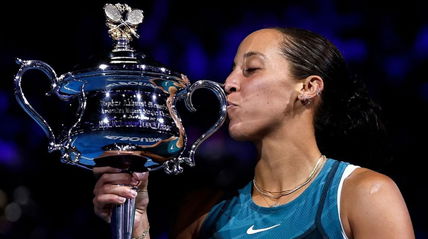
[
  {"x": 217, "y": 89},
  {"x": 23, "y": 102}
]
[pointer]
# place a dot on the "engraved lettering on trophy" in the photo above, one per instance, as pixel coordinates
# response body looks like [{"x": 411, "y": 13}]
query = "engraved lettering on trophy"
[
  {"x": 141, "y": 139},
  {"x": 129, "y": 83},
  {"x": 112, "y": 111},
  {"x": 133, "y": 111},
  {"x": 134, "y": 107},
  {"x": 135, "y": 104},
  {"x": 111, "y": 103},
  {"x": 156, "y": 125}
]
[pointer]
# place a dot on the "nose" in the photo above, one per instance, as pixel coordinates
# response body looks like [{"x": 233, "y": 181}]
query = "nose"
[{"x": 231, "y": 84}]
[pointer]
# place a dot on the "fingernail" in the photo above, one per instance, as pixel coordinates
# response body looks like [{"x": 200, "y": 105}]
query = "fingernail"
[
  {"x": 122, "y": 200},
  {"x": 133, "y": 193},
  {"x": 139, "y": 176}
]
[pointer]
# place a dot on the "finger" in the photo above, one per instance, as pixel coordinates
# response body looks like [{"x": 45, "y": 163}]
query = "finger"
[
  {"x": 143, "y": 179},
  {"x": 120, "y": 190},
  {"x": 140, "y": 176},
  {"x": 103, "y": 213},
  {"x": 106, "y": 216},
  {"x": 103, "y": 201},
  {"x": 99, "y": 170},
  {"x": 116, "y": 178},
  {"x": 142, "y": 199},
  {"x": 103, "y": 205}
]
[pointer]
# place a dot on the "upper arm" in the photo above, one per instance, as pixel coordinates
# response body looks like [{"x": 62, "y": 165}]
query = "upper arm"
[
  {"x": 373, "y": 207},
  {"x": 192, "y": 229},
  {"x": 193, "y": 212}
]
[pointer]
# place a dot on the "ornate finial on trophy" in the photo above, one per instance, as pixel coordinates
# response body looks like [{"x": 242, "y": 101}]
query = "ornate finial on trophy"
[
  {"x": 118, "y": 27},
  {"x": 122, "y": 22}
]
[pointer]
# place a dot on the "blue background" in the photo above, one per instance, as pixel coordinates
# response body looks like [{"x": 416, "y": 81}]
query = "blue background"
[{"x": 385, "y": 42}]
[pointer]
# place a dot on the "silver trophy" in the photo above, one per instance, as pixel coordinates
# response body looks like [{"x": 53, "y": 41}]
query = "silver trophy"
[{"x": 126, "y": 115}]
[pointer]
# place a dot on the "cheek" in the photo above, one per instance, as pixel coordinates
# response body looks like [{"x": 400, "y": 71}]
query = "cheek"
[
  {"x": 269, "y": 100},
  {"x": 256, "y": 117},
  {"x": 262, "y": 107}
]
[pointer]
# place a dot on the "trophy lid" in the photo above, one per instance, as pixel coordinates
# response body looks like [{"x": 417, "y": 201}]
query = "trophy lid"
[{"x": 124, "y": 63}]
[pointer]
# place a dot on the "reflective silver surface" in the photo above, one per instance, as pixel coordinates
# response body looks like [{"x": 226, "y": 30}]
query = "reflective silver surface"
[
  {"x": 126, "y": 106},
  {"x": 126, "y": 116}
]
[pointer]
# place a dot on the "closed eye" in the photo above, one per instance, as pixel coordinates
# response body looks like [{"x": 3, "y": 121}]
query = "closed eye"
[{"x": 251, "y": 70}]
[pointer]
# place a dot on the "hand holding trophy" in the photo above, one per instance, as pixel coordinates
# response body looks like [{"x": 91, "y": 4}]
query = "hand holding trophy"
[{"x": 126, "y": 115}]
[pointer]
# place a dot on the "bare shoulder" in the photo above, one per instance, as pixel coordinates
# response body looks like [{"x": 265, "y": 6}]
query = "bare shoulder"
[
  {"x": 363, "y": 182},
  {"x": 372, "y": 207}
]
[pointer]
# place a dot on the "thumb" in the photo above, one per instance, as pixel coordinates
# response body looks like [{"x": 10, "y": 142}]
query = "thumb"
[
  {"x": 142, "y": 179},
  {"x": 142, "y": 199}
]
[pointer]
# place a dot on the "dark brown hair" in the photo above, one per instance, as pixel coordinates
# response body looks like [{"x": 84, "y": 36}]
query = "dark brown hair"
[{"x": 347, "y": 115}]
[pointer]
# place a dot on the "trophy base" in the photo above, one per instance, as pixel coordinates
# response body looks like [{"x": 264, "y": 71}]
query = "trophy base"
[{"x": 128, "y": 162}]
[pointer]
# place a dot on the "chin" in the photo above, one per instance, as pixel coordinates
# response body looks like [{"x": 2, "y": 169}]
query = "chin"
[
  {"x": 239, "y": 134},
  {"x": 238, "y": 137}
]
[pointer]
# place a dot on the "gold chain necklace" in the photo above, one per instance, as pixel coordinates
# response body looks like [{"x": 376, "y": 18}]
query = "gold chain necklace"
[{"x": 271, "y": 195}]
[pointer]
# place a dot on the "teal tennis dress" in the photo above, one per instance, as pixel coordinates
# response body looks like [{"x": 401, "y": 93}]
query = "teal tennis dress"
[{"x": 314, "y": 214}]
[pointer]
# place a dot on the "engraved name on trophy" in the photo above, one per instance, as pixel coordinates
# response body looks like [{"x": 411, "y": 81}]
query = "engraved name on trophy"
[{"x": 126, "y": 115}]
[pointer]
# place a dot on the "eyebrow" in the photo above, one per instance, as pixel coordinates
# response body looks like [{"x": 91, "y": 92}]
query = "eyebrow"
[
  {"x": 249, "y": 54},
  {"x": 254, "y": 53}
]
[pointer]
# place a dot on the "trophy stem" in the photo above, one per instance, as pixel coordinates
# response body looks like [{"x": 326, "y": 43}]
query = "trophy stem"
[
  {"x": 123, "y": 52},
  {"x": 122, "y": 44},
  {"x": 122, "y": 220}
]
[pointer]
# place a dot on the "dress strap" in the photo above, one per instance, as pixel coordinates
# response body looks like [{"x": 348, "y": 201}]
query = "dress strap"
[{"x": 326, "y": 187}]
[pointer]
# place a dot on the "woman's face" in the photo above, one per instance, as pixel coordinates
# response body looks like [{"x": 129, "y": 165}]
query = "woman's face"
[{"x": 261, "y": 91}]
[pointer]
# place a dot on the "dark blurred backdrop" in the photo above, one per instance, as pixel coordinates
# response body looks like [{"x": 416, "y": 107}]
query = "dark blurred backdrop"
[{"x": 385, "y": 43}]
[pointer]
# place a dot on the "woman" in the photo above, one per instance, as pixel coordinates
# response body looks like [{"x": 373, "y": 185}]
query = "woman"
[{"x": 283, "y": 86}]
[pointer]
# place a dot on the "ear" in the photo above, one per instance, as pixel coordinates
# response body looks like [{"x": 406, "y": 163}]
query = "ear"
[{"x": 311, "y": 87}]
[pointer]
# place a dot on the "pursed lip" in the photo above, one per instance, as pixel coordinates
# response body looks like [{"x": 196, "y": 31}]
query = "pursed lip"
[{"x": 231, "y": 105}]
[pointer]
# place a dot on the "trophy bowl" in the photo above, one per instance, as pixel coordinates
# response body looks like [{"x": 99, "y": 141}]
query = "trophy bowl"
[{"x": 126, "y": 115}]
